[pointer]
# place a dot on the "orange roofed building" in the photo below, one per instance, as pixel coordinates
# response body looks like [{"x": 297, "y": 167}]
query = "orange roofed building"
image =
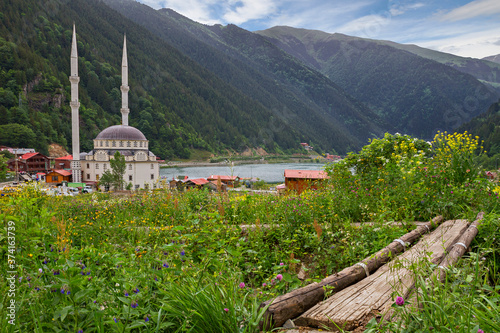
[
  {"x": 57, "y": 176},
  {"x": 299, "y": 180}
]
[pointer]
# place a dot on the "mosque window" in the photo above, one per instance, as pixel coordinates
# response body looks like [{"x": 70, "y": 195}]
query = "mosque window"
[
  {"x": 130, "y": 177},
  {"x": 128, "y": 143},
  {"x": 107, "y": 144},
  {"x": 102, "y": 144},
  {"x": 88, "y": 176},
  {"x": 152, "y": 176},
  {"x": 97, "y": 166},
  {"x": 88, "y": 166},
  {"x": 121, "y": 143},
  {"x": 105, "y": 166},
  {"x": 152, "y": 166},
  {"x": 130, "y": 166},
  {"x": 135, "y": 144},
  {"x": 140, "y": 144},
  {"x": 114, "y": 144}
]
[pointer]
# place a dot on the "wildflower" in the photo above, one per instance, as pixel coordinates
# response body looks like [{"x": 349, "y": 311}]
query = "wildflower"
[
  {"x": 134, "y": 305},
  {"x": 480, "y": 331},
  {"x": 183, "y": 253},
  {"x": 40, "y": 270},
  {"x": 279, "y": 277},
  {"x": 146, "y": 319},
  {"x": 400, "y": 301},
  {"x": 226, "y": 309},
  {"x": 136, "y": 290},
  {"x": 165, "y": 265},
  {"x": 126, "y": 293},
  {"x": 281, "y": 264},
  {"x": 80, "y": 331},
  {"x": 116, "y": 320},
  {"x": 264, "y": 284},
  {"x": 242, "y": 285}
]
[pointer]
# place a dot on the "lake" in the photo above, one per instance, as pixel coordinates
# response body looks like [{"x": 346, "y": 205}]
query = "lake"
[{"x": 270, "y": 173}]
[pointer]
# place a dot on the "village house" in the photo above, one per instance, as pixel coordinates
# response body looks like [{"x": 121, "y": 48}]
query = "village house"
[
  {"x": 300, "y": 180},
  {"x": 58, "y": 176},
  {"x": 229, "y": 181},
  {"x": 63, "y": 163},
  {"x": 30, "y": 163}
]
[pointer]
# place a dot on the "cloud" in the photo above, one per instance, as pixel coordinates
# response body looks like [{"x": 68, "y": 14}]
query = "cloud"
[
  {"x": 246, "y": 10},
  {"x": 366, "y": 26},
  {"x": 473, "y": 9},
  {"x": 400, "y": 9}
]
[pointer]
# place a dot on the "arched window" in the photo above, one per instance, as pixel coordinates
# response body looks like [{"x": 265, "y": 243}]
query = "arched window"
[
  {"x": 128, "y": 143},
  {"x": 114, "y": 143},
  {"x": 135, "y": 144},
  {"x": 121, "y": 143}
]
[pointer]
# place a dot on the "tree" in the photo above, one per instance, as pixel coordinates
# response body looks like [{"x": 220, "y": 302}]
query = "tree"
[
  {"x": 115, "y": 176},
  {"x": 118, "y": 167},
  {"x": 3, "y": 167}
]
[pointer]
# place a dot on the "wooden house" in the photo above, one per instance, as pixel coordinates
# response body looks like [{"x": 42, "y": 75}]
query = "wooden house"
[
  {"x": 58, "y": 176},
  {"x": 30, "y": 163},
  {"x": 300, "y": 180},
  {"x": 229, "y": 181},
  {"x": 63, "y": 163}
]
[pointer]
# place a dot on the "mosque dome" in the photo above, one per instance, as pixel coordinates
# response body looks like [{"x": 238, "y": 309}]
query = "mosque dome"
[{"x": 121, "y": 132}]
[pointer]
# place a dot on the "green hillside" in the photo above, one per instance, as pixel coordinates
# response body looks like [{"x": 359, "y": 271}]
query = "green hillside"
[
  {"x": 487, "y": 128},
  {"x": 176, "y": 103},
  {"x": 416, "y": 95},
  {"x": 302, "y": 97}
]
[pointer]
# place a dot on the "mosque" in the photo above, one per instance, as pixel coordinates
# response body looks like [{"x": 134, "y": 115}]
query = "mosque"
[{"x": 142, "y": 167}]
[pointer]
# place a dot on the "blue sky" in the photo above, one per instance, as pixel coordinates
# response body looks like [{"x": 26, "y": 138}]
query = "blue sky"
[{"x": 465, "y": 28}]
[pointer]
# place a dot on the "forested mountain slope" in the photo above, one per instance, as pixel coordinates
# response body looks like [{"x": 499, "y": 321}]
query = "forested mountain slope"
[
  {"x": 175, "y": 102},
  {"x": 299, "y": 95},
  {"x": 418, "y": 96}
]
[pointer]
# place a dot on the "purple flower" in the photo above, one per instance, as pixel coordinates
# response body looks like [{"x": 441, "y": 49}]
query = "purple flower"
[
  {"x": 226, "y": 309},
  {"x": 126, "y": 293},
  {"x": 134, "y": 305},
  {"x": 400, "y": 301},
  {"x": 183, "y": 253},
  {"x": 146, "y": 319},
  {"x": 136, "y": 290},
  {"x": 242, "y": 285},
  {"x": 480, "y": 331},
  {"x": 279, "y": 277},
  {"x": 116, "y": 320},
  {"x": 40, "y": 270},
  {"x": 63, "y": 291},
  {"x": 264, "y": 284},
  {"x": 80, "y": 331},
  {"x": 165, "y": 265},
  {"x": 281, "y": 264}
]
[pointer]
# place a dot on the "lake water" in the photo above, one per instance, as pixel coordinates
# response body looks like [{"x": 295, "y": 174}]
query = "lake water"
[{"x": 271, "y": 173}]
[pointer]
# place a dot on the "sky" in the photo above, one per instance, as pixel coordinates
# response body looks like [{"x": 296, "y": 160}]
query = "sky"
[{"x": 461, "y": 27}]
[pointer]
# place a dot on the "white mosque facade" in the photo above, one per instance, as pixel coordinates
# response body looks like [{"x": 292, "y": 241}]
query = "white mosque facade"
[{"x": 142, "y": 168}]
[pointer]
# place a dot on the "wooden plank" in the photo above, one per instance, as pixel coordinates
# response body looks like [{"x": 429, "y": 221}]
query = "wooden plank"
[
  {"x": 348, "y": 307},
  {"x": 296, "y": 302}
]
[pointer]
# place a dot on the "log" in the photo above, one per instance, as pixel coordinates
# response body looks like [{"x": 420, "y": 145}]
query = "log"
[
  {"x": 350, "y": 307},
  {"x": 456, "y": 252},
  {"x": 458, "y": 249},
  {"x": 296, "y": 302}
]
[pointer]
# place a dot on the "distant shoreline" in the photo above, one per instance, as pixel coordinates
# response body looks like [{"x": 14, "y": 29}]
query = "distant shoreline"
[{"x": 177, "y": 164}]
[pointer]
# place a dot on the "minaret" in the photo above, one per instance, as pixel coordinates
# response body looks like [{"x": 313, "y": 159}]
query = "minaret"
[
  {"x": 125, "y": 88},
  {"x": 75, "y": 106}
]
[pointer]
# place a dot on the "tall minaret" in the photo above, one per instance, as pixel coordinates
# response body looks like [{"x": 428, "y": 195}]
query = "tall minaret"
[
  {"x": 125, "y": 88},
  {"x": 75, "y": 106}
]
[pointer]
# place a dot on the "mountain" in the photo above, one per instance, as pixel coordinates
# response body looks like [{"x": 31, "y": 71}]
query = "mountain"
[
  {"x": 299, "y": 95},
  {"x": 487, "y": 127},
  {"x": 176, "y": 103},
  {"x": 494, "y": 58},
  {"x": 418, "y": 96}
]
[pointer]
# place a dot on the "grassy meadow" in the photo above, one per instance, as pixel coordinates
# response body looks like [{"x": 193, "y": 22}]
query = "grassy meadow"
[{"x": 162, "y": 261}]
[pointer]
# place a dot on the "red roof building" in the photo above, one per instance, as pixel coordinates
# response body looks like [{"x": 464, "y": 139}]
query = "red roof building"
[
  {"x": 299, "y": 180},
  {"x": 30, "y": 162},
  {"x": 230, "y": 181},
  {"x": 63, "y": 162}
]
